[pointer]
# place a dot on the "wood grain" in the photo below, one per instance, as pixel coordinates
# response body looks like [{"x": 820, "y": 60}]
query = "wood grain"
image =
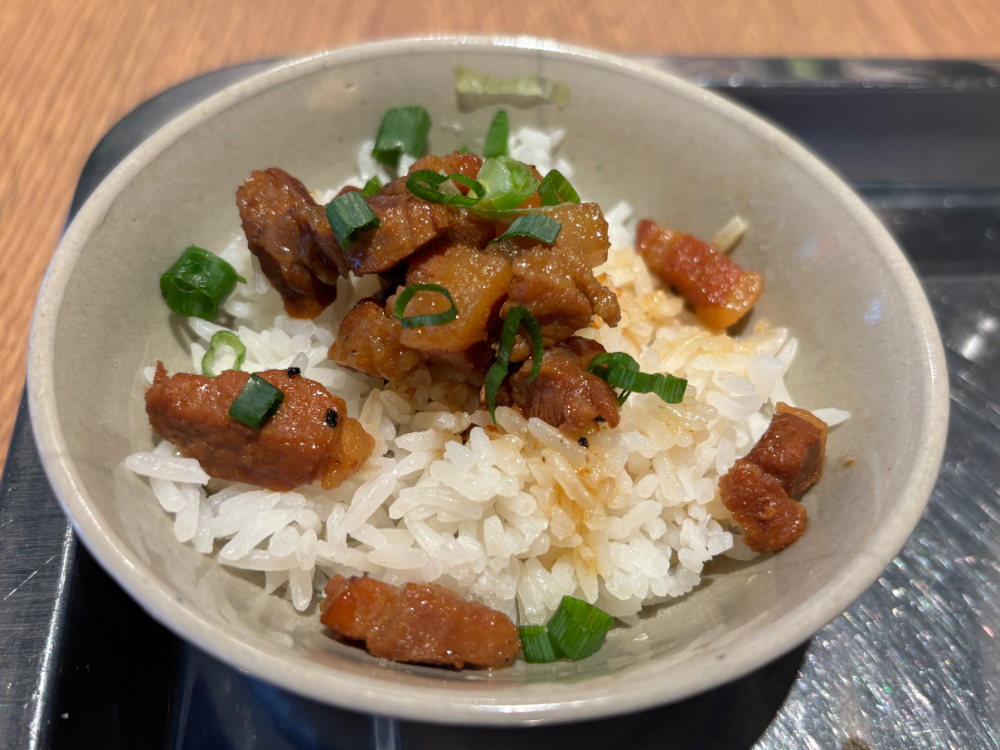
[{"x": 69, "y": 70}]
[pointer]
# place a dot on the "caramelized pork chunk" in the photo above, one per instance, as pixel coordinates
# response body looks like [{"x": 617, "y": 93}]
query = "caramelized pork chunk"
[
  {"x": 422, "y": 623},
  {"x": 406, "y": 224},
  {"x": 564, "y": 394},
  {"x": 759, "y": 504},
  {"x": 309, "y": 438},
  {"x": 719, "y": 290},
  {"x": 792, "y": 449},
  {"x": 464, "y": 164},
  {"x": 478, "y": 284},
  {"x": 584, "y": 231},
  {"x": 560, "y": 292},
  {"x": 303, "y": 274},
  {"x": 368, "y": 341}
]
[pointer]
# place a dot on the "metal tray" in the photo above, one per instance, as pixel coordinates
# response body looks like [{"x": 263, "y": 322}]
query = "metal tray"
[{"x": 912, "y": 664}]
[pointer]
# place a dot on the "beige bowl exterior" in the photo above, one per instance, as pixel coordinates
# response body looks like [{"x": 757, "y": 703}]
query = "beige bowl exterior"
[{"x": 678, "y": 154}]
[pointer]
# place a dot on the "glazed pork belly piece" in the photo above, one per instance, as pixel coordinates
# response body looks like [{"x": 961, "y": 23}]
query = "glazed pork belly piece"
[
  {"x": 560, "y": 292},
  {"x": 422, "y": 623},
  {"x": 309, "y": 438},
  {"x": 769, "y": 518},
  {"x": 719, "y": 290},
  {"x": 478, "y": 284},
  {"x": 289, "y": 234},
  {"x": 792, "y": 449},
  {"x": 565, "y": 394},
  {"x": 368, "y": 341},
  {"x": 758, "y": 490}
]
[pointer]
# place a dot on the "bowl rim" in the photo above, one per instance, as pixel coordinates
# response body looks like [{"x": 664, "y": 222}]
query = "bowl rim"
[{"x": 644, "y": 686}]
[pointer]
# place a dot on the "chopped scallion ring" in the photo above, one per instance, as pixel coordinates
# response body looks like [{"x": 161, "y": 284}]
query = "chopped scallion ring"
[
  {"x": 537, "y": 226},
  {"x": 515, "y": 317},
  {"x": 257, "y": 402},
  {"x": 620, "y": 370},
  {"x": 496, "y": 138},
  {"x": 350, "y": 216},
  {"x": 537, "y": 646},
  {"x": 555, "y": 189},
  {"x": 578, "y": 629},
  {"x": 403, "y": 131},
  {"x": 426, "y": 184},
  {"x": 508, "y": 182},
  {"x": 417, "y": 321},
  {"x": 371, "y": 187},
  {"x": 198, "y": 283},
  {"x": 220, "y": 339}
]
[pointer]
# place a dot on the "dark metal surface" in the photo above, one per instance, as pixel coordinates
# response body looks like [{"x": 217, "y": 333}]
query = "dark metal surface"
[{"x": 913, "y": 664}]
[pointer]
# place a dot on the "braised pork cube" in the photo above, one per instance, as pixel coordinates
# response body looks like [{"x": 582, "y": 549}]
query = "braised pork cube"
[
  {"x": 309, "y": 438},
  {"x": 560, "y": 291},
  {"x": 478, "y": 285},
  {"x": 719, "y": 290},
  {"x": 368, "y": 341},
  {"x": 406, "y": 224},
  {"x": 293, "y": 266},
  {"x": 456, "y": 162},
  {"x": 584, "y": 231},
  {"x": 792, "y": 449},
  {"x": 564, "y": 393},
  {"x": 770, "y": 519},
  {"x": 422, "y": 623}
]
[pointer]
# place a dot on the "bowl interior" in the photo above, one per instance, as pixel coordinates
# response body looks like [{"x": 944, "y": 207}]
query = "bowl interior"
[{"x": 678, "y": 155}]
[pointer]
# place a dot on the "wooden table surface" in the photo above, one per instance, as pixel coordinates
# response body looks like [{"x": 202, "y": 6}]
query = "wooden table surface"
[{"x": 70, "y": 69}]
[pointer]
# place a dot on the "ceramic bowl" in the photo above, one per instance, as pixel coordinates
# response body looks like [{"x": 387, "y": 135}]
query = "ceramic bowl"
[{"x": 678, "y": 154}]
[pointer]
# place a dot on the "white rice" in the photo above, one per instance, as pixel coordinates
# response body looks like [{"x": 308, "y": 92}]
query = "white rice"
[{"x": 515, "y": 516}]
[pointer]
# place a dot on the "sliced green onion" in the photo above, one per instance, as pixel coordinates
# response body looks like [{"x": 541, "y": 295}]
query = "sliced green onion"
[
  {"x": 515, "y": 317},
  {"x": 426, "y": 184},
  {"x": 496, "y": 137},
  {"x": 371, "y": 187},
  {"x": 350, "y": 216},
  {"x": 577, "y": 628},
  {"x": 537, "y": 646},
  {"x": 535, "y": 87},
  {"x": 403, "y": 131},
  {"x": 555, "y": 189},
  {"x": 197, "y": 283},
  {"x": 508, "y": 182},
  {"x": 464, "y": 150},
  {"x": 417, "y": 321},
  {"x": 257, "y": 402},
  {"x": 620, "y": 370},
  {"x": 538, "y": 226},
  {"x": 220, "y": 339}
]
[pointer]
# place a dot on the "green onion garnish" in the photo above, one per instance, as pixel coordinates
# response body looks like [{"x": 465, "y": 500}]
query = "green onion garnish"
[
  {"x": 538, "y": 226},
  {"x": 371, "y": 187},
  {"x": 349, "y": 216},
  {"x": 403, "y": 131},
  {"x": 426, "y": 184},
  {"x": 496, "y": 374},
  {"x": 197, "y": 283},
  {"x": 220, "y": 339},
  {"x": 555, "y": 189},
  {"x": 577, "y": 628},
  {"x": 508, "y": 182},
  {"x": 496, "y": 138},
  {"x": 257, "y": 402},
  {"x": 464, "y": 150},
  {"x": 468, "y": 82},
  {"x": 417, "y": 321},
  {"x": 619, "y": 370},
  {"x": 537, "y": 646}
]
